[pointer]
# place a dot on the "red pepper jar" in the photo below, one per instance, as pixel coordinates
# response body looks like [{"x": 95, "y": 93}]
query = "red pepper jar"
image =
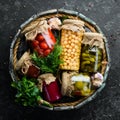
[{"x": 51, "y": 91}]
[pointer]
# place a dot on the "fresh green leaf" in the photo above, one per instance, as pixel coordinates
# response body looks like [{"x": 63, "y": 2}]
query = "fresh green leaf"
[
  {"x": 51, "y": 62},
  {"x": 63, "y": 18},
  {"x": 27, "y": 92}
]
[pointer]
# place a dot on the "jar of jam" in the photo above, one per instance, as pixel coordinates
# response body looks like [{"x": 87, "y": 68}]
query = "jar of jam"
[
  {"x": 51, "y": 91},
  {"x": 33, "y": 71}
]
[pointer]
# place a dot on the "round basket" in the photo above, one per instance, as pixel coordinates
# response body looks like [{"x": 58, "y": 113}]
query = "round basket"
[{"x": 17, "y": 49}]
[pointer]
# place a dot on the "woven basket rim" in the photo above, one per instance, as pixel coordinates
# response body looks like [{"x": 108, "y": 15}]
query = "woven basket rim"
[{"x": 88, "y": 22}]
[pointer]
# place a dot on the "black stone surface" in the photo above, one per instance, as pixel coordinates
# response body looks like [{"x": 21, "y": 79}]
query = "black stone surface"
[{"x": 106, "y": 13}]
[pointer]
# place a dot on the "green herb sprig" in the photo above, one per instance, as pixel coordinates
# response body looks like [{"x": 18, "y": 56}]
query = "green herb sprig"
[
  {"x": 50, "y": 63},
  {"x": 28, "y": 93}
]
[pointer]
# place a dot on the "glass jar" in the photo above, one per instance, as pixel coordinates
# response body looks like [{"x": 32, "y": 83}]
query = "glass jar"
[
  {"x": 44, "y": 43},
  {"x": 51, "y": 91},
  {"x": 91, "y": 58},
  {"x": 82, "y": 85}
]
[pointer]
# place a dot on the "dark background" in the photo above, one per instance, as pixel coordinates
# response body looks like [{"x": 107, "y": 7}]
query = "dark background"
[{"x": 106, "y": 13}]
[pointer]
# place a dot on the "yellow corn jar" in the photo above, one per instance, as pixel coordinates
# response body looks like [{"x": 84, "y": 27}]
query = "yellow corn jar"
[{"x": 71, "y": 37}]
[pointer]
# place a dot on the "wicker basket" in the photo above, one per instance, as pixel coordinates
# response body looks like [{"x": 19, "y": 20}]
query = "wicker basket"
[{"x": 89, "y": 25}]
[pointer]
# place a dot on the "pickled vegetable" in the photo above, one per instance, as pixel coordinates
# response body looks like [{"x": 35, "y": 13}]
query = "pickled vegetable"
[
  {"x": 44, "y": 43},
  {"x": 82, "y": 85},
  {"x": 71, "y": 49},
  {"x": 91, "y": 59},
  {"x": 71, "y": 38}
]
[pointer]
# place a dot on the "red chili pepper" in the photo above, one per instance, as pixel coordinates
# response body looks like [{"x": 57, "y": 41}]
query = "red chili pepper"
[{"x": 52, "y": 36}]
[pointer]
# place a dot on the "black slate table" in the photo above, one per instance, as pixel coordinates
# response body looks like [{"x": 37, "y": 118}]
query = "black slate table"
[{"x": 106, "y": 106}]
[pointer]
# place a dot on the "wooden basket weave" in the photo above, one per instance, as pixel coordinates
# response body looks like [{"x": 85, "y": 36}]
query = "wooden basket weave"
[{"x": 89, "y": 24}]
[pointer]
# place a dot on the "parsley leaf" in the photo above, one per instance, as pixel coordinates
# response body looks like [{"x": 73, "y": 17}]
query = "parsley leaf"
[
  {"x": 49, "y": 63},
  {"x": 27, "y": 92}
]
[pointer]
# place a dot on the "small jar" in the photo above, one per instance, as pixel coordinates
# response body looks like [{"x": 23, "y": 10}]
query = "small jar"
[
  {"x": 51, "y": 91},
  {"x": 33, "y": 71},
  {"x": 82, "y": 85}
]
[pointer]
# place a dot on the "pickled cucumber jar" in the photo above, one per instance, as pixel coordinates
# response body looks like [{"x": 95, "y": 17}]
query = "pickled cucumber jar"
[{"x": 91, "y": 58}]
